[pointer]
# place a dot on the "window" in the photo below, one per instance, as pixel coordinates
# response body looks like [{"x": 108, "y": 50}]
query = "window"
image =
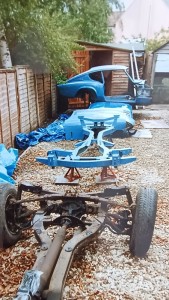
[{"x": 96, "y": 76}]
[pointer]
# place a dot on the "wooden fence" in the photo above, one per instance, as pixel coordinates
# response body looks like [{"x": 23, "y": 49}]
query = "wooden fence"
[
  {"x": 27, "y": 100},
  {"x": 82, "y": 59}
]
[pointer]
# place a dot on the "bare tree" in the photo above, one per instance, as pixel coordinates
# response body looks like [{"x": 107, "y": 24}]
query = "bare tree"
[{"x": 5, "y": 57}]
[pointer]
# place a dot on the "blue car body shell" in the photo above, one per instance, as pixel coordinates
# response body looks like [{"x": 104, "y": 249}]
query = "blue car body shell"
[{"x": 83, "y": 83}]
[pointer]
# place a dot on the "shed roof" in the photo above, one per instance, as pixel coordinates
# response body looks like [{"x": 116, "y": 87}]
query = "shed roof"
[
  {"x": 128, "y": 46},
  {"x": 137, "y": 46}
]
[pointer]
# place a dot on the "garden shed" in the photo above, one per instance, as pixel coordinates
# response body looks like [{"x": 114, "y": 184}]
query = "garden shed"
[
  {"x": 160, "y": 74},
  {"x": 95, "y": 54}
]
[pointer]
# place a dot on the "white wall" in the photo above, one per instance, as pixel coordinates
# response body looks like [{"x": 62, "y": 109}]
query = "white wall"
[{"x": 142, "y": 17}]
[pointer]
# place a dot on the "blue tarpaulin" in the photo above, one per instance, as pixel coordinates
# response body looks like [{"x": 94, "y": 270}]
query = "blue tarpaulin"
[
  {"x": 8, "y": 161},
  {"x": 52, "y": 133}
]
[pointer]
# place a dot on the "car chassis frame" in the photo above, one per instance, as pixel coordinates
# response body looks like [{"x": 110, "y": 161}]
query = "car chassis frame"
[
  {"x": 71, "y": 210},
  {"x": 54, "y": 260},
  {"x": 88, "y": 214}
]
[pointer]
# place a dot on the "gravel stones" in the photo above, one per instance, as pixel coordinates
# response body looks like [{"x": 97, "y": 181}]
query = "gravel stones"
[{"x": 105, "y": 269}]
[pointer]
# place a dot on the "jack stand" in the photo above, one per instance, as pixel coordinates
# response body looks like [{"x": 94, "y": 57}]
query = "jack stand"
[
  {"x": 71, "y": 177},
  {"x": 107, "y": 176}
]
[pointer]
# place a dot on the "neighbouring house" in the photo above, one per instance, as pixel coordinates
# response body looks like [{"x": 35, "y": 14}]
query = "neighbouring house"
[
  {"x": 95, "y": 54},
  {"x": 160, "y": 74},
  {"x": 141, "y": 18}
]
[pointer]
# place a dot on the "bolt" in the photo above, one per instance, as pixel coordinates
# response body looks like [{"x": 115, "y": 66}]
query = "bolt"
[
  {"x": 68, "y": 249},
  {"x": 88, "y": 233},
  {"x": 44, "y": 247}
]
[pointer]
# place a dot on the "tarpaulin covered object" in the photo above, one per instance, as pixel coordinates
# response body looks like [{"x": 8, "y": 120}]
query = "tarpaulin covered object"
[
  {"x": 52, "y": 133},
  {"x": 104, "y": 111},
  {"x": 8, "y": 161}
]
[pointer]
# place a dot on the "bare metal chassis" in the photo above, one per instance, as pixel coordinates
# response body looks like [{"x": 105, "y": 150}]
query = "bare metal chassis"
[{"x": 47, "y": 278}]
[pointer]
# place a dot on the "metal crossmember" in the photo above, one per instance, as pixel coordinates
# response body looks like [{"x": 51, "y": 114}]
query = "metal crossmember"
[{"x": 109, "y": 157}]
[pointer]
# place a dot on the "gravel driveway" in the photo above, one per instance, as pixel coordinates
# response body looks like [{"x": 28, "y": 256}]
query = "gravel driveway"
[{"x": 105, "y": 269}]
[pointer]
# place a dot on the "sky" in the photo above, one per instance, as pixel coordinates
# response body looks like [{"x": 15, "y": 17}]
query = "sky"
[
  {"x": 128, "y": 2},
  {"x": 125, "y": 2}
]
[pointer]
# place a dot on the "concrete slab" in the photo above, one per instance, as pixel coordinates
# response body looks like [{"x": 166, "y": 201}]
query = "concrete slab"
[
  {"x": 155, "y": 124},
  {"x": 158, "y": 107},
  {"x": 61, "y": 180},
  {"x": 143, "y": 133},
  {"x": 109, "y": 180},
  {"x": 153, "y": 107}
]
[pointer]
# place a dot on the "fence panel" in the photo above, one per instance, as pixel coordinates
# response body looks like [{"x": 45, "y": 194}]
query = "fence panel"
[
  {"x": 40, "y": 99},
  {"x": 13, "y": 105},
  {"x": 5, "y": 111},
  {"x": 82, "y": 59},
  {"x": 23, "y": 100},
  {"x": 47, "y": 95},
  {"x": 26, "y": 102},
  {"x": 54, "y": 97},
  {"x": 32, "y": 99}
]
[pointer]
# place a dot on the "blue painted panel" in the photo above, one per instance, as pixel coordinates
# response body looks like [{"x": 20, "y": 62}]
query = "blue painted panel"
[{"x": 100, "y": 110}]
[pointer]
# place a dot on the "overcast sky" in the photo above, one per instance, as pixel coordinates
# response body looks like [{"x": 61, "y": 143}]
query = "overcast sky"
[{"x": 127, "y": 2}]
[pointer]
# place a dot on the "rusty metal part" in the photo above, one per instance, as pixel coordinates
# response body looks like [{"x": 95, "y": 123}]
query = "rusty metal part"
[
  {"x": 72, "y": 174},
  {"x": 37, "y": 279},
  {"x": 51, "y": 257},
  {"x": 28, "y": 187},
  {"x": 47, "y": 278},
  {"x": 93, "y": 197},
  {"x": 106, "y": 173},
  {"x": 66, "y": 256},
  {"x": 118, "y": 222},
  {"x": 39, "y": 230}
]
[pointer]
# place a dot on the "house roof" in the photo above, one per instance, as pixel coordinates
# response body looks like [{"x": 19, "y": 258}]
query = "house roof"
[
  {"x": 161, "y": 47},
  {"x": 137, "y": 46},
  {"x": 128, "y": 46},
  {"x": 142, "y": 18}
]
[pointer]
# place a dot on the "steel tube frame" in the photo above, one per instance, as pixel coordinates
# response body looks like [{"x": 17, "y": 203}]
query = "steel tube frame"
[
  {"x": 62, "y": 267},
  {"x": 109, "y": 157},
  {"x": 51, "y": 258}
]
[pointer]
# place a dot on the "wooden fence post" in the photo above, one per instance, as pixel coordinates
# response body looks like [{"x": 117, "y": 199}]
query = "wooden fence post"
[
  {"x": 36, "y": 95},
  {"x": 1, "y": 135},
  {"x": 10, "y": 125},
  {"x": 18, "y": 101},
  {"x": 28, "y": 98}
]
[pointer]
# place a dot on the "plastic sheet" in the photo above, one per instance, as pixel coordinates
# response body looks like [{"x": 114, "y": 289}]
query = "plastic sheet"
[
  {"x": 29, "y": 285},
  {"x": 8, "y": 161},
  {"x": 52, "y": 133}
]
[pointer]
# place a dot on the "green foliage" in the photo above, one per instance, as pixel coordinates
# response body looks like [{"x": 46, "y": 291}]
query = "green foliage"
[
  {"x": 159, "y": 39},
  {"x": 36, "y": 38},
  {"x": 92, "y": 21},
  {"x": 41, "y": 33},
  {"x": 60, "y": 77}
]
